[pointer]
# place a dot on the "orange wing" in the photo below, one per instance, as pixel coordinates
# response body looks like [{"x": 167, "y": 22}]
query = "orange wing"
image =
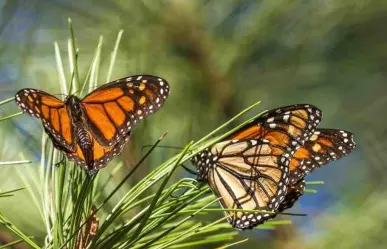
[
  {"x": 113, "y": 109},
  {"x": 101, "y": 155},
  {"x": 291, "y": 125},
  {"x": 53, "y": 113},
  {"x": 324, "y": 146}
]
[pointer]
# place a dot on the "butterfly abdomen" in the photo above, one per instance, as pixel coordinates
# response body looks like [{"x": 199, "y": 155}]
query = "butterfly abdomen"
[
  {"x": 83, "y": 138},
  {"x": 86, "y": 145}
]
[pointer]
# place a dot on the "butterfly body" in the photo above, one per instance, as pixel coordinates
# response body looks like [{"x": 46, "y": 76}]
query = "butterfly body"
[
  {"x": 94, "y": 129},
  {"x": 75, "y": 111}
]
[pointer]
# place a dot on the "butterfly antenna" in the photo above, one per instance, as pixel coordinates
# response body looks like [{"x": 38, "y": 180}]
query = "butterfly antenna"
[
  {"x": 189, "y": 170},
  {"x": 290, "y": 214},
  {"x": 79, "y": 91},
  {"x": 86, "y": 89},
  {"x": 60, "y": 94}
]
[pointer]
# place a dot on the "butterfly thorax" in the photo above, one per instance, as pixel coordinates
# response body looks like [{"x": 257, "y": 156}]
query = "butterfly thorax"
[
  {"x": 203, "y": 162},
  {"x": 74, "y": 107},
  {"x": 75, "y": 110}
]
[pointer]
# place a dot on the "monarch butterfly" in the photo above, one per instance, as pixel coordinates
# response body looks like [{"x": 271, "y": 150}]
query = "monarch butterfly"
[
  {"x": 250, "y": 168},
  {"x": 324, "y": 146},
  {"x": 92, "y": 130}
]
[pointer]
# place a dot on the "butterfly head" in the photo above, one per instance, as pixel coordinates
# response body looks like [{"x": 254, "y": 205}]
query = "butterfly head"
[{"x": 74, "y": 106}]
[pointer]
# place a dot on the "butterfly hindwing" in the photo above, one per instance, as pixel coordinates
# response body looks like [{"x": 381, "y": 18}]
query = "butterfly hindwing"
[
  {"x": 247, "y": 174},
  {"x": 52, "y": 112},
  {"x": 101, "y": 156},
  {"x": 324, "y": 146},
  {"x": 113, "y": 109}
]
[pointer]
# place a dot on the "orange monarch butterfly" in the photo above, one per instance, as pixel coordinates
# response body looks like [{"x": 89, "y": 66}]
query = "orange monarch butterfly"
[
  {"x": 92, "y": 130},
  {"x": 250, "y": 168}
]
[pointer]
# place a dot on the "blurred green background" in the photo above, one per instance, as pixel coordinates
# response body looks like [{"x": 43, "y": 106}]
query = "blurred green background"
[{"x": 219, "y": 57}]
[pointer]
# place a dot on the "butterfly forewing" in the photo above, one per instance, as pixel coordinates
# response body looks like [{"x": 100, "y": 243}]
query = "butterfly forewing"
[
  {"x": 290, "y": 124},
  {"x": 53, "y": 113},
  {"x": 324, "y": 146},
  {"x": 112, "y": 110}
]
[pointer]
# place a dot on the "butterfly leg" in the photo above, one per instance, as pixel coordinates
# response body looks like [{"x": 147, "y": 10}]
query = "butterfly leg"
[
  {"x": 178, "y": 196},
  {"x": 58, "y": 147},
  {"x": 189, "y": 170},
  {"x": 62, "y": 160}
]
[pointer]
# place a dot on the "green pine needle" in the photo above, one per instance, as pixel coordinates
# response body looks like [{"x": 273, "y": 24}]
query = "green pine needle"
[
  {"x": 15, "y": 162},
  {"x": 11, "y": 116}
]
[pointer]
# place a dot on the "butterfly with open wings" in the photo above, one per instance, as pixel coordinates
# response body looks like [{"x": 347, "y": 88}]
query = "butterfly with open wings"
[
  {"x": 261, "y": 166},
  {"x": 92, "y": 130}
]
